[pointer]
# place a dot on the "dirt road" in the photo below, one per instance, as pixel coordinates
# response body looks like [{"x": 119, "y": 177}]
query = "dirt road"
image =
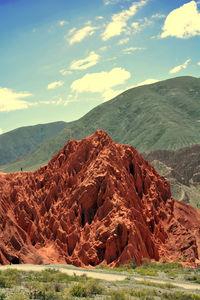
[{"x": 98, "y": 274}]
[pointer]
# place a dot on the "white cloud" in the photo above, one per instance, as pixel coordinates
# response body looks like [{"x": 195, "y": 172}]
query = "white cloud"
[
  {"x": 65, "y": 72},
  {"x": 85, "y": 63},
  {"x": 1, "y": 131},
  {"x": 146, "y": 82},
  {"x": 138, "y": 26},
  {"x": 71, "y": 31},
  {"x": 110, "y": 94},
  {"x": 10, "y": 100},
  {"x": 103, "y": 48},
  {"x": 63, "y": 22},
  {"x": 119, "y": 21},
  {"x": 135, "y": 25},
  {"x": 198, "y": 63},
  {"x": 109, "y": 2},
  {"x": 158, "y": 16},
  {"x": 58, "y": 101},
  {"x": 79, "y": 35},
  {"x": 132, "y": 49},
  {"x": 123, "y": 41},
  {"x": 180, "y": 67},
  {"x": 99, "y": 18},
  {"x": 183, "y": 22},
  {"x": 54, "y": 85},
  {"x": 101, "y": 82}
]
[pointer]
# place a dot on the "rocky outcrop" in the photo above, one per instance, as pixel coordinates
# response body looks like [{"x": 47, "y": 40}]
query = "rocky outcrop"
[
  {"x": 182, "y": 169},
  {"x": 96, "y": 202}
]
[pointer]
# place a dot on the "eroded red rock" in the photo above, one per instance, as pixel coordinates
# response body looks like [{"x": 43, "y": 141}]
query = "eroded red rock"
[{"x": 96, "y": 202}]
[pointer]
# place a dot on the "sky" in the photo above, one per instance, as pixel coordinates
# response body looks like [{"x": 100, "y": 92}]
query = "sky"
[{"x": 61, "y": 58}]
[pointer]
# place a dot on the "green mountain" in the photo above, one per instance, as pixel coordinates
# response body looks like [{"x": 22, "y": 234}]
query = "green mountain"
[
  {"x": 20, "y": 141},
  {"x": 182, "y": 168},
  {"x": 164, "y": 115}
]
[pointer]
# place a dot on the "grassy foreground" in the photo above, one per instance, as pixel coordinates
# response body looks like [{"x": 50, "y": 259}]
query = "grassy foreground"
[{"x": 51, "y": 284}]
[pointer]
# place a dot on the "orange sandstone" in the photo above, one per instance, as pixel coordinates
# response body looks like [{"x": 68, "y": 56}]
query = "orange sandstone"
[{"x": 96, "y": 202}]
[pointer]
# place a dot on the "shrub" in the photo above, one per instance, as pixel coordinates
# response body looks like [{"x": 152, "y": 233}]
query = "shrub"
[
  {"x": 18, "y": 296},
  {"x": 3, "y": 281},
  {"x": 9, "y": 278},
  {"x": 94, "y": 288},
  {"x": 78, "y": 290},
  {"x": 2, "y": 296},
  {"x": 145, "y": 261},
  {"x": 119, "y": 295},
  {"x": 86, "y": 289},
  {"x": 132, "y": 264},
  {"x": 155, "y": 284}
]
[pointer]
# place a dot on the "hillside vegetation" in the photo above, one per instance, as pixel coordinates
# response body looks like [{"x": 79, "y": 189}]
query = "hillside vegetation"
[
  {"x": 164, "y": 115},
  {"x": 20, "y": 141}
]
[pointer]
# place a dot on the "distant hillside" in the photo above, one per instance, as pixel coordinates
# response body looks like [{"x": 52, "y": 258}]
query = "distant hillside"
[
  {"x": 182, "y": 169},
  {"x": 20, "y": 141},
  {"x": 164, "y": 115}
]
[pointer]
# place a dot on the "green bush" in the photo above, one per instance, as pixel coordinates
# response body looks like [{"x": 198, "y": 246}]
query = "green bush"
[
  {"x": 86, "y": 289},
  {"x": 43, "y": 291},
  {"x": 119, "y": 295},
  {"x": 144, "y": 293},
  {"x": 51, "y": 275},
  {"x": 132, "y": 264},
  {"x": 9, "y": 278},
  {"x": 147, "y": 270},
  {"x": 78, "y": 290},
  {"x": 2, "y": 296},
  {"x": 18, "y": 296},
  {"x": 155, "y": 284},
  {"x": 3, "y": 283},
  {"x": 94, "y": 288}
]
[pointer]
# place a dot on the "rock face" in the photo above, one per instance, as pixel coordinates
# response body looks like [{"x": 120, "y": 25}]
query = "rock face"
[
  {"x": 95, "y": 202},
  {"x": 182, "y": 169}
]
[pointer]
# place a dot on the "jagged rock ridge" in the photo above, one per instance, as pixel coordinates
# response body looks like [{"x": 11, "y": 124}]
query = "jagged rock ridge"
[{"x": 95, "y": 202}]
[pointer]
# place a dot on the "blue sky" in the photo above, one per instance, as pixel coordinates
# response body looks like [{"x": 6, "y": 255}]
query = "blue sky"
[{"x": 59, "y": 58}]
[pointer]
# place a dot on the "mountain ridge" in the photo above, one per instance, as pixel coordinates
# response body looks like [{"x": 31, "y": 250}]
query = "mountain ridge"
[
  {"x": 22, "y": 140},
  {"x": 163, "y": 115}
]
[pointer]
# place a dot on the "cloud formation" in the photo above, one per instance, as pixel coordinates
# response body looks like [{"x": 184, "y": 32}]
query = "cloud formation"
[
  {"x": 158, "y": 16},
  {"x": 183, "y": 22},
  {"x": 54, "y": 85},
  {"x": 58, "y": 101},
  {"x": 10, "y": 100},
  {"x": 180, "y": 67},
  {"x": 101, "y": 82},
  {"x": 65, "y": 72},
  {"x": 119, "y": 21},
  {"x": 132, "y": 49},
  {"x": 123, "y": 41},
  {"x": 110, "y": 94},
  {"x": 63, "y": 22},
  {"x": 85, "y": 63},
  {"x": 81, "y": 34},
  {"x": 138, "y": 26},
  {"x": 146, "y": 82}
]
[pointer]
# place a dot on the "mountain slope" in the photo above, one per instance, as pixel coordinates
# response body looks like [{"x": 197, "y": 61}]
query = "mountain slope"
[
  {"x": 182, "y": 168},
  {"x": 164, "y": 115},
  {"x": 20, "y": 141},
  {"x": 95, "y": 202}
]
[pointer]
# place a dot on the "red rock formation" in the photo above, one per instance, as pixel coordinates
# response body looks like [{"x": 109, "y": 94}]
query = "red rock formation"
[{"x": 94, "y": 202}]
